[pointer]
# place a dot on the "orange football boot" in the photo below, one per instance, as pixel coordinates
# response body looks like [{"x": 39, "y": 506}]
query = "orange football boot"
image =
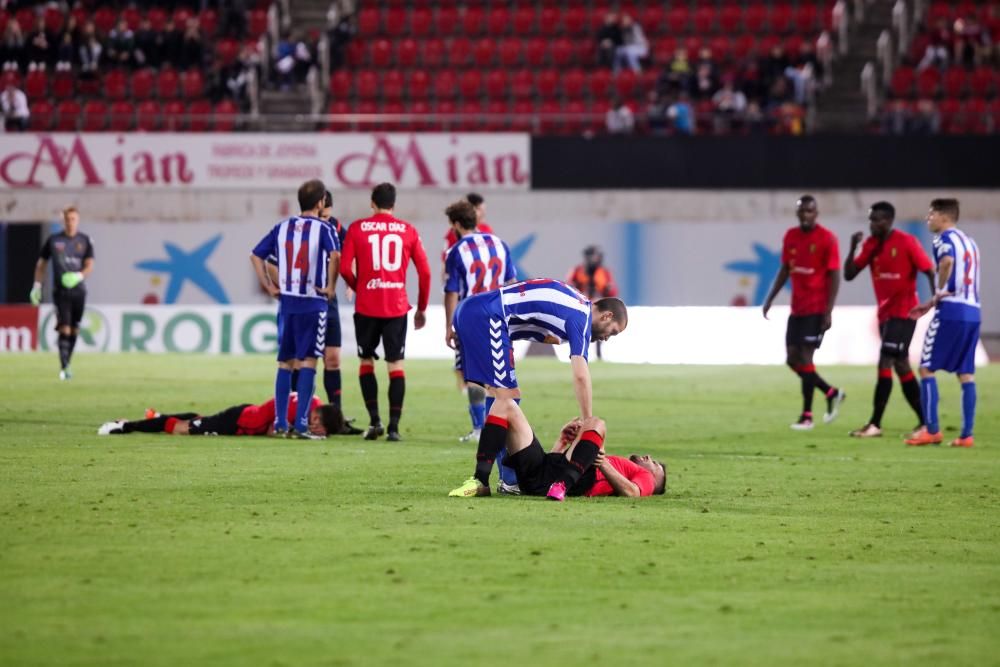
[
  {"x": 962, "y": 442},
  {"x": 924, "y": 439}
]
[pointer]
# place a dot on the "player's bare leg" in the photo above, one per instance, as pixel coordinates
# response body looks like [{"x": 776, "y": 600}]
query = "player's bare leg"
[{"x": 397, "y": 390}]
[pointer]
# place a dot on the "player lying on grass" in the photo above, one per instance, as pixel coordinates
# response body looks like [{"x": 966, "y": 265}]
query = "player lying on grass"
[
  {"x": 576, "y": 466},
  {"x": 242, "y": 419}
]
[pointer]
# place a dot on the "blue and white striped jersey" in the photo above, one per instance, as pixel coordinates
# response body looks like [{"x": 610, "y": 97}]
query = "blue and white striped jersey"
[
  {"x": 478, "y": 263},
  {"x": 963, "y": 283},
  {"x": 302, "y": 247},
  {"x": 547, "y": 311}
]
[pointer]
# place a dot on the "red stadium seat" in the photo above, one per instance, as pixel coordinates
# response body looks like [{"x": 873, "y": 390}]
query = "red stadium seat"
[
  {"x": 36, "y": 85},
  {"x": 471, "y": 83},
  {"x": 256, "y": 22},
  {"x": 981, "y": 81},
  {"x": 226, "y": 50},
  {"x": 473, "y": 21},
  {"x": 652, "y": 17},
  {"x": 63, "y": 85},
  {"x": 432, "y": 53},
  {"x": 147, "y": 116},
  {"x": 104, "y": 20},
  {"x": 562, "y": 52},
  {"x": 522, "y": 84},
  {"x": 192, "y": 84},
  {"x": 42, "y": 113},
  {"x": 547, "y": 83},
  {"x": 460, "y": 52},
  {"x": 199, "y": 116},
  {"x": 121, "y": 116},
  {"x": 406, "y": 53},
  {"x": 418, "y": 84},
  {"x": 181, "y": 16},
  {"x": 340, "y": 84},
  {"x": 806, "y": 17},
  {"x": 498, "y": 22},
  {"x": 928, "y": 82},
  {"x": 510, "y": 52},
  {"x": 338, "y": 108},
  {"x": 781, "y": 19},
  {"x": 793, "y": 46},
  {"x": 754, "y": 17},
  {"x": 524, "y": 20},
  {"x": 445, "y": 20},
  {"x": 445, "y": 108},
  {"x": 600, "y": 84},
  {"x": 625, "y": 84},
  {"x": 445, "y": 85},
  {"x": 166, "y": 84},
  {"x": 575, "y": 21},
  {"x": 678, "y": 20},
  {"x": 548, "y": 112},
  {"x": 225, "y": 116},
  {"x": 743, "y": 46},
  {"x": 115, "y": 85},
  {"x": 498, "y": 120},
  {"x": 422, "y": 109},
  {"x": 573, "y": 82},
  {"x": 396, "y": 21},
  {"x": 549, "y": 21},
  {"x": 142, "y": 84},
  {"x": 157, "y": 18},
  {"x": 535, "y": 52},
  {"x": 902, "y": 82},
  {"x": 730, "y": 19},
  {"x": 209, "y": 22},
  {"x": 366, "y": 84},
  {"x": 381, "y": 53},
  {"x": 721, "y": 48},
  {"x": 496, "y": 84},
  {"x": 54, "y": 20},
  {"x": 392, "y": 85},
  {"x": 95, "y": 116},
  {"x": 954, "y": 82},
  {"x": 68, "y": 114},
  {"x": 525, "y": 116},
  {"x": 704, "y": 19},
  {"x": 173, "y": 117},
  {"x": 369, "y": 22},
  {"x": 484, "y": 52},
  {"x": 421, "y": 21}
]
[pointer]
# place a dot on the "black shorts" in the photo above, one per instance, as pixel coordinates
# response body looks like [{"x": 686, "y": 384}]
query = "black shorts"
[
  {"x": 333, "y": 337},
  {"x": 804, "y": 330},
  {"x": 897, "y": 333},
  {"x": 536, "y": 470},
  {"x": 391, "y": 331},
  {"x": 221, "y": 423},
  {"x": 69, "y": 305}
]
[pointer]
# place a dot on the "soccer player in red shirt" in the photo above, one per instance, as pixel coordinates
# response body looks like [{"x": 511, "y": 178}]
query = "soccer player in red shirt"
[
  {"x": 810, "y": 255},
  {"x": 376, "y": 254},
  {"x": 895, "y": 258},
  {"x": 244, "y": 419}
]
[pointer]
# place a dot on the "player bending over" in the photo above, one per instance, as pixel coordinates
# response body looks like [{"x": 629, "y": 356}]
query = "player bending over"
[
  {"x": 577, "y": 464},
  {"x": 242, "y": 419}
]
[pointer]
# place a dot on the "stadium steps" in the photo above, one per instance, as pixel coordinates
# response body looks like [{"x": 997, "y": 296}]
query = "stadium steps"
[
  {"x": 309, "y": 13},
  {"x": 286, "y": 110},
  {"x": 841, "y": 108}
]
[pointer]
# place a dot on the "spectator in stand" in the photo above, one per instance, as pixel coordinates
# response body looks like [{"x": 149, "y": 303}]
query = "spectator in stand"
[
  {"x": 12, "y": 48},
  {"x": 755, "y": 119},
  {"x": 609, "y": 39},
  {"x": 774, "y": 65},
  {"x": 619, "y": 119},
  {"x": 14, "y": 104},
  {"x": 284, "y": 61},
  {"x": 303, "y": 58},
  {"x": 656, "y": 114},
  {"x": 895, "y": 118},
  {"x": 171, "y": 42},
  {"x": 634, "y": 46},
  {"x": 807, "y": 56},
  {"x": 148, "y": 45},
  {"x": 66, "y": 53},
  {"x": 41, "y": 48},
  {"x": 121, "y": 45},
  {"x": 681, "y": 114},
  {"x": 234, "y": 19},
  {"x": 730, "y": 105},
  {"x": 339, "y": 34},
  {"x": 779, "y": 93},
  {"x": 678, "y": 74},
  {"x": 939, "y": 48},
  {"x": 91, "y": 51},
  {"x": 704, "y": 84},
  {"x": 801, "y": 78},
  {"x": 192, "y": 51},
  {"x": 237, "y": 75},
  {"x": 927, "y": 120},
  {"x": 972, "y": 42}
]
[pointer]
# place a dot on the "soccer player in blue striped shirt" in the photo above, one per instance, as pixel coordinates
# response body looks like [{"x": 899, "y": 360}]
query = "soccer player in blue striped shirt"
[
  {"x": 307, "y": 276},
  {"x": 542, "y": 310}
]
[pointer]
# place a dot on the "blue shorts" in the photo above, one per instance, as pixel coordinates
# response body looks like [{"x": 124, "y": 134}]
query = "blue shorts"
[
  {"x": 333, "y": 337},
  {"x": 950, "y": 345},
  {"x": 487, "y": 355},
  {"x": 301, "y": 335}
]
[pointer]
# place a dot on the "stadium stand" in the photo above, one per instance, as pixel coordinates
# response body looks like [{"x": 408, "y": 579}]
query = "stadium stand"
[
  {"x": 159, "y": 66},
  {"x": 948, "y": 79}
]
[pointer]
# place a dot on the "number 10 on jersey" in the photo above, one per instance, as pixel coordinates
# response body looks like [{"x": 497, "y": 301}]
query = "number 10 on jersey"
[{"x": 387, "y": 251}]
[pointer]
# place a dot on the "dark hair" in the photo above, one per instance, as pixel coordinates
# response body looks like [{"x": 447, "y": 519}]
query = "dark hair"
[
  {"x": 463, "y": 213},
  {"x": 327, "y": 200},
  {"x": 948, "y": 207},
  {"x": 883, "y": 209},
  {"x": 615, "y": 306},
  {"x": 311, "y": 193},
  {"x": 806, "y": 199},
  {"x": 659, "y": 490},
  {"x": 474, "y": 198},
  {"x": 384, "y": 196},
  {"x": 332, "y": 418}
]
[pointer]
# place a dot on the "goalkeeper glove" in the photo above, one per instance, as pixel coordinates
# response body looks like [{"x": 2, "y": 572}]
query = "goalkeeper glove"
[
  {"x": 71, "y": 279},
  {"x": 36, "y": 294}
]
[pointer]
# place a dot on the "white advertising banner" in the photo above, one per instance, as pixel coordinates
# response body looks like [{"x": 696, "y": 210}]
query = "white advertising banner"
[
  {"x": 654, "y": 336},
  {"x": 246, "y": 162}
]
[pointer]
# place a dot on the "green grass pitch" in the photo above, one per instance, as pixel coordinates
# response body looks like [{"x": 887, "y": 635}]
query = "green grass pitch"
[{"x": 770, "y": 547}]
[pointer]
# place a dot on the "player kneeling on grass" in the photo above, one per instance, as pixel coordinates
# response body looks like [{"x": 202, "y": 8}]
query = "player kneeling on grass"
[
  {"x": 242, "y": 419},
  {"x": 576, "y": 466}
]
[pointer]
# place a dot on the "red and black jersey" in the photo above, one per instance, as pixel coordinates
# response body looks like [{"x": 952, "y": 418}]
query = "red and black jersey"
[{"x": 810, "y": 256}]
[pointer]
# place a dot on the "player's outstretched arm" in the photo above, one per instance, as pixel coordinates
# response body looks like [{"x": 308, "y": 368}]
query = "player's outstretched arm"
[
  {"x": 779, "y": 282},
  {"x": 582, "y": 385},
  {"x": 831, "y": 298}
]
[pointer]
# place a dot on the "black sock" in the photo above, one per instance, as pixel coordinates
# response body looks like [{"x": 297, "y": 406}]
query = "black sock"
[
  {"x": 808, "y": 388},
  {"x": 72, "y": 346},
  {"x": 882, "y": 390},
  {"x": 64, "y": 350},
  {"x": 331, "y": 382},
  {"x": 397, "y": 389},
  {"x": 584, "y": 454},
  {"x": 911, "y": 390},
  {"x": 492, "y": 439},
  {"x": 154, "y": 425},
  {"x": 369, "y": 392},
  {"x": 821, "y": 384}
]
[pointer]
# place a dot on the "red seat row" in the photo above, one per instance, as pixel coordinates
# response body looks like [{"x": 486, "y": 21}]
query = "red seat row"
[
  {"x": 949, "y": 11},
  {"x": 105, "y": 19},
  {"x": 954, "y": 82},
  {"x": 495, "y": 84},
  {"x": 119, "y": 85},
  {"x": 122, "y": 116},
  {"x": 781, "y": 17}
]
